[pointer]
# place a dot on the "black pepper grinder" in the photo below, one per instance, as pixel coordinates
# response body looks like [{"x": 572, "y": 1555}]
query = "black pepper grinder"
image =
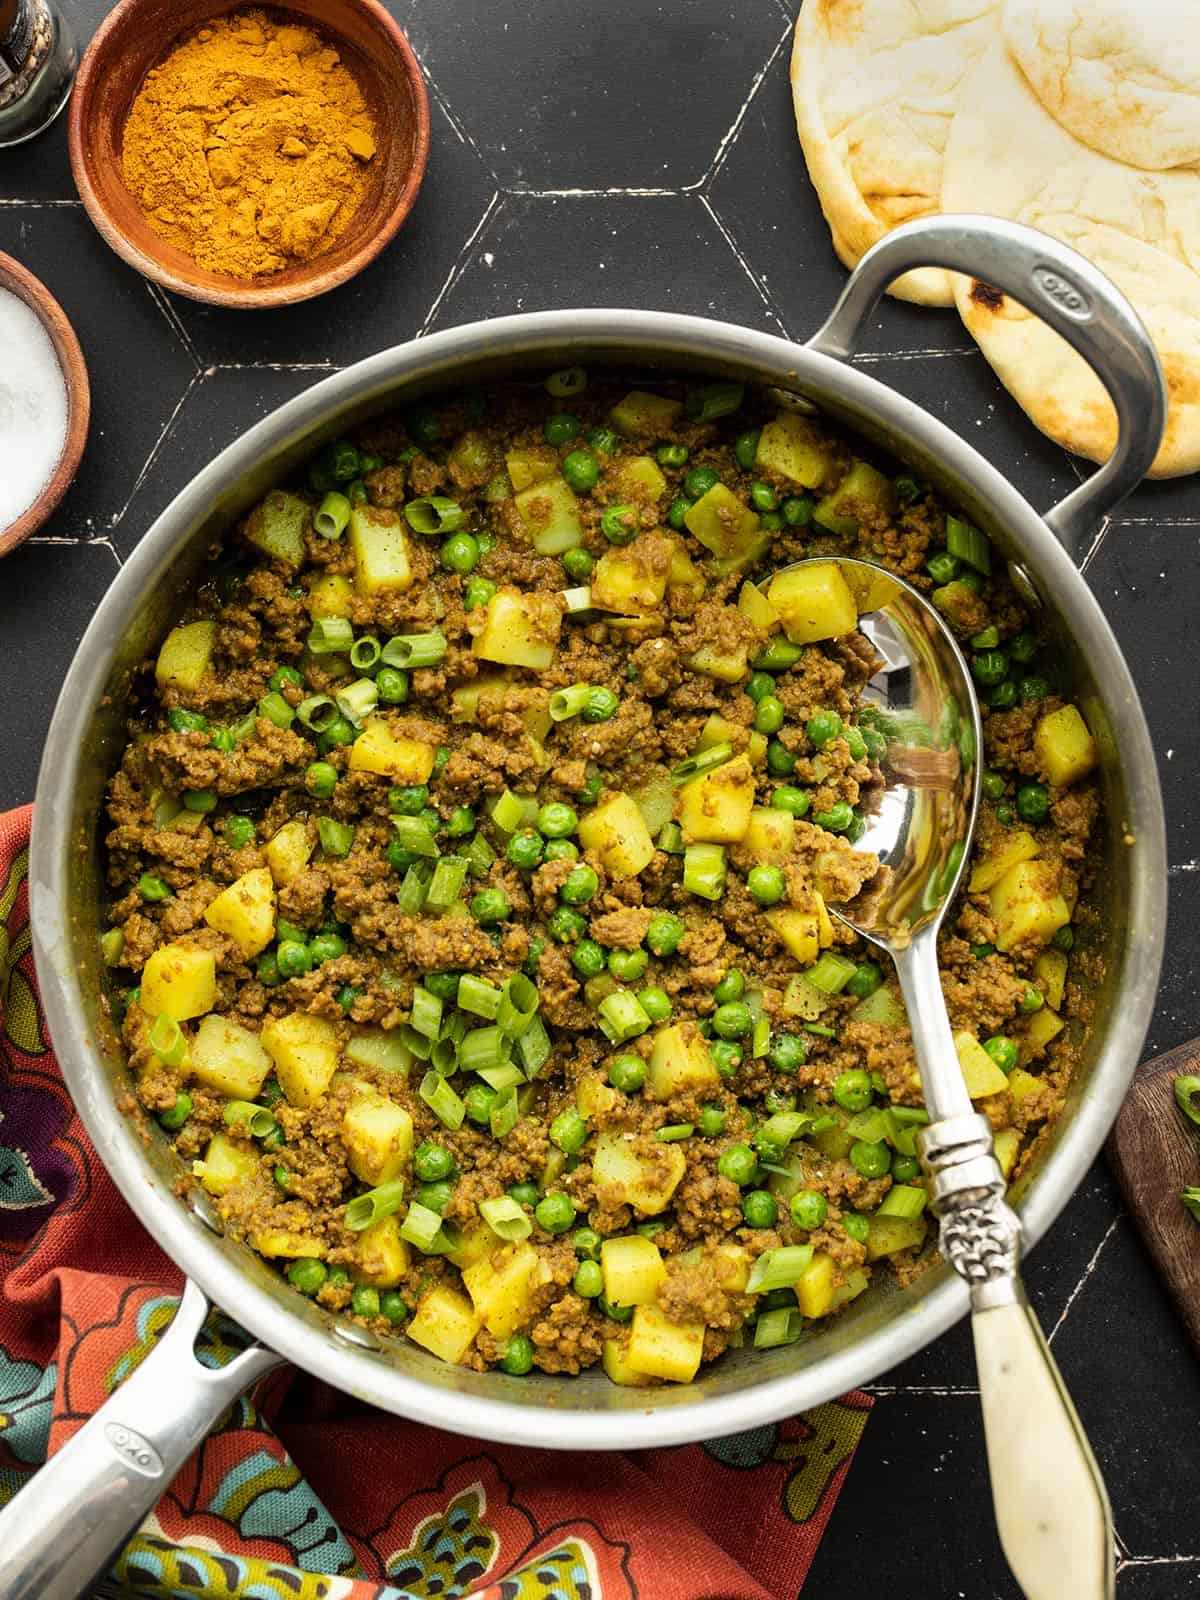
[{"x": 37, "y": 67}]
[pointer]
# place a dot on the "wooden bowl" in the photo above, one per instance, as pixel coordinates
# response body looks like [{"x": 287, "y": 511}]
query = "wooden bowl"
[
  {"x": 137, "y": 34},
  {"x": 38, "y": 298}
]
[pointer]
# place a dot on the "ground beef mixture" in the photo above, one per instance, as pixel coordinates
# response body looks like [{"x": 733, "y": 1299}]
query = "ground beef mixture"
[{"x": 470, "y": 858}]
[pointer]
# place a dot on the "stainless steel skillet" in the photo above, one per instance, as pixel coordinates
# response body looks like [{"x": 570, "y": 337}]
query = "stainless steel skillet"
[{"x": 63, "y": 1527}]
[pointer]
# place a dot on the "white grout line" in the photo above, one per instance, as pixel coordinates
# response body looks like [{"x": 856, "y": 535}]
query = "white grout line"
[
  {"x": 519, "y": 190},
  {"x": 492, "y": 209},
  {"x": 270, "y": 366},
  {"x": 461, "y": 132},
  {"x": 1156, "y": 522},
  {"x": 41, "y": 205},
  {"x": 872, "y": 358},
  {"x": 742, "y": 262},
  {"x": 1102, "y": 533},
  {"x": 1087, "y": 1272},
  {"x": 165, "y": 432},
  {"x": 735, "y": 127},
  {"x": 158, "y": 295},
  {"x": 1181, "y": 867},
  {"x": 937, "y": 1391}
]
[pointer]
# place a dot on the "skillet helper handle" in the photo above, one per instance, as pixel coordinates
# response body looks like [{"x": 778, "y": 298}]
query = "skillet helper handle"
[
  {"x": 63, "y": 1529},
  {"x": 1051, "y": 1506},
  {"x": 1068, "y": 293}
]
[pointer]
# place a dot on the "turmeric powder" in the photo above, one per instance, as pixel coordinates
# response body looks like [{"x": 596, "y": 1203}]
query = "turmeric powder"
[{"x": 249, "y": 145}]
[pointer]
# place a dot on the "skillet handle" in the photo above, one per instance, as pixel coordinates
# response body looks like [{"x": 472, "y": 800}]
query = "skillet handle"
[
  {"x": 64, "y": 1528},
  {"x": 1072, "y": 296}
]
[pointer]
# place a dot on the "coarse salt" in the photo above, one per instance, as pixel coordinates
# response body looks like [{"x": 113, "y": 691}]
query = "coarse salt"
[{"x": 33, "y": 408}]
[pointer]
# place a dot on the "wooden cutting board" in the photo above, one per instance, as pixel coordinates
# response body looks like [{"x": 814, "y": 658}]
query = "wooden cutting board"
[{"x": 1155, "y": 1151}]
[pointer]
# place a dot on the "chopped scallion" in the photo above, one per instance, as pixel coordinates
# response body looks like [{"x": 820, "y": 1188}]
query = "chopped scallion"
[
  {"x": 358, "y": 701},
  {"x": 779, "y": 1269},
  {"x": 420, "y": 1044},
  {"x": 337, "y": 838},
  {"x": 565, "y": 703},
  {"x": 704, "y": 870},
  {"x": 434, "y": 514},
  {"x": 364, "y": 653},
  {"x": 506, "y": 1076},
  {"x": 317, "y": 712},
  {"x": 479, "y": 997},
  {"x": 414, "y": 891},
  {"x": 775, "y": 1328},
  {"x": 478, "y": 855},
  {"x": 533, "y": 1047},
  {"x": 905, "y": 1200},
  {"x": 414, "y": 650},
  {"x": 446, "y": 884},
  {"x": 831, "y": 974},
  {"x": 577, "y": 600},
  {"x": 276, "y": 709},
  {"x": 702, "y": 761},
  {"x": 671, "y": 839},
  {"x": 505, "y": 1217},
  {"x": 621, "y": 1017},
  {"x": 441, "y": 1099},
  {"x": 167, "y": 1041},
  {"x": 518, "y": 1005},
  {"x": 377, "y": 1203},
  {"x": 483, "y": 1047},
  {"x": 969, "y": 545},
  {"x": 330, "y": 636},
  {"x": 415, "y": 836},
  {"x": 509, "y": 811},
  {"x": 426, "y": 1012},
  {"x": 672, "y": 1132},
  {"x": 257, "y": 1119},
  {"x": 422, "y": 1228},
  {"x": 714, "y": 400},
  {"x": 332, "y": 515},
  {"x": 504, "y": 1113}
]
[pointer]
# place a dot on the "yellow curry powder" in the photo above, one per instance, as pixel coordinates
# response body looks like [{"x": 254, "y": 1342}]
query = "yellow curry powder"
[{"x": 249, "y": 145}]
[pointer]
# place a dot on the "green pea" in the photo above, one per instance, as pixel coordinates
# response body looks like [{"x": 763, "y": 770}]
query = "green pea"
[
  {"x": 600, "y": 705},
  {"x": 524, "y": 850},
  {"x": 201, "y": 801},
  {"x": 655, "y": 1002},
  {"x": 266, "y": 970},
  {"x": 478, "y": 592},
  {"x": 765, "y": 884},
  {"x": 809, "y": 1208},
  {"x": 152, "y": 888},
  {"x": 432, "y": 1162},
  {"x": 581, "y": 470},
  {"x": 285, "y": 678},
  {"x": 982, "y": 951},
  {"x": 857, "y": 1226},
  {"x": 588, "y": 958},
  {"x": 307, "y": 1274},
  {"x": 781, "y": 763},
  {"x": 1002, "y": 1050},
  {"x": 852, "y": 1090},
  {"x": 1063, "y": 940},
  {"x": 555, "y": 820},
  {"x": 876, "y": 743},
  {"x": 627, "y": 1073},
  {"x": 864, "y": 981},
  {"x": 798, "y": 510},
  {"x": 986, "y": 639},
  {"x": 588, "y": 1281},
  {"x": 993, "y": 785},
  {"x": 664, "y": 934},
  {"x": 733, "y": 1021},
  {"x": 871, "y": 1159},
  {"x": 731, "y": 987},
  {"x": 1003, "y": 697},
  {"x": 399, "y": 857},
  {"x": 555, "y": 1213},
  {"x": 460, "y": 553},
  {"x": 823, "y": 728},
  {"x": 711, "y": 1122},
  {"x": 364, "y": 1301},
  {"x": 587, "y": 1244},
  {"x": 760, "y": 1209},
  {"x": 989, "y": 667},
  {"x": 770, "y": 521},
  {"x": 745, "y": 448},
  {"x": 738, "y": 1163},
  {"x": 490, "y": 906},
  {"x": 346, "y": 996},
  {"x": 561, "y": 850},
  {"x": 326, "y": 947},
  {"x": 677, "y": 513},
  {"x": 181, "y": 721},
  {"x": 517, "y": 1359},
  {"x": 838, "y": 819},
  {"x": 224, "y": 740},
  {"x": 1005, "y": 816},
  {"x": 700, "y": 480},
  {"x": 787, "y": 1052},
  {"x": 788, "y": 798},
  {"x": 479, "y": 1100},
  {"x": 238, "y": 832},
  {"x": 619, "y": 524},
  {"x": 726, "y": 1055},
  {"x": 604, "y": 439},
  {"x": 175, "y": 1116},
  {"x": 616, "y": 1313},
  {"x": 460, "y": 822},
  {"x": 321, "y": 780},
  {"x": 904, "y": 1169},
  {"x": 409, "y": 801},
  {"x": 1032, "y": 1000},
  {"x": 578, "y": 563},
  {"x": 443, "y": 984},
  {"x": 671, "y": 455},
  {"x": 565, "y": 925},
  {"x": 763, "y": 497},
  {"x": 1033, "y": 802},
  {"x": 579, "y": 886},
  {"x": 627, "y": 966},
  {"x": 759, "y": 685},
  {"x": 285, "y": 930},
  {"x": 392, "y": 686},
  {"x": 561, "y": 428},
  {"x": 525, "y": 1194},
  {"x": 533, "y": 956},
  {"x": 1023, "y": 646},
  {"x": 392, "y": 1306},
  {"x": 768, "y": 715},
  {"x": 293, "y": 959}
]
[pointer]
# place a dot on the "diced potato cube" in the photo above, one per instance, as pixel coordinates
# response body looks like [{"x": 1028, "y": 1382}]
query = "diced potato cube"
[
  {"x": 616, "y": 833},
  {"x": 549, "y": 510},
  {"x": 378, "y": 1135},
  {"x": 639, "y": 478},
  {"x": 472, "y": 1244},
  {"x": 521, "y": 630},
  {"x": 1042, "y": 1026},
  {"x": 229, "y": 1059},
  {"x": 179, "y": 981},
  {"x": 380, "y": 547},
  {"x": 226, "y": 1164},
  {"x": 1064, "y": 746},
  {"x": 289, "y": 851},
  {"x": 383, "y": 1257},
  {"x": 731, "y": 1267},
  {"x": 278, "y": 526},
  {"x": 186, "y": 655},
  {"x": 633, "y": 580},
  {"x": 715, "y": 807},
  {"x": 793, "y": 447},
  {"x": 798, "y": 930},
  {"x": 640, "y": 412},
  {"x": 378, "y": 749},
  {"x": 466, "y": 698},
  {"x": 633, "y": 1269},
  {"x": 814, "y": 602},
  {"x": 723, "y": 523},
  {"x": 684, "y": 573},
  {"x": 862, "y": 486},
  {"x": 445, "y": 1324},
  {"x": 1013, "y": 848},
  {"x": 719, "y": 730},
  {"x": 980, "y": 1073},
  {"x": 727, "y": 664},
  {"x": 814, "y": 1290},
  {"x": 1022, "y": 1084},
  {"x": 663, "y": 1349},
  {"x": 246, "y": 911},
  {"x": 286, "y": 1244},
  {"x": 824, "y": 923},
  {"x": 886, "y": 1235},
  {"x": 531, "y": 465},
  {"x": 646, "y": 1182},
  {"x": 1007, "y": 1145},
  {"x": 680, "y": 1061},
  {"x": 856, "y": 1281},
  {"x": 305, "y": 1052},
  {"x": 502, "y": 1287},
  {"x": 617, "y": 1368},
  {"x": 1050, "y": 970},
  {"x": 753, "y": 603},
  {"x": 381, "y": 1048},
  {"x": 593, "y": 1096},
  {"x": 656, "y": 801},
  {"x": 1027, "y": 905},
  {"x": 331, "y": 596}
]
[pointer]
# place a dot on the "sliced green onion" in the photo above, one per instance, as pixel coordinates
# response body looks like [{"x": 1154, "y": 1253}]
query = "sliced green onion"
[
  {"x": 821, "y": 1031},
  {"x": 912, "y": 1116},
  {"x": 367, "y": 1208},
  {"x": 337, "y": 838},
  {"x": 761, "y": 1038},
  {"x": 112, "y": 943},
  {"x": 276, "y": 709},
  {"x": 446, "y": 884},
  {"x": 672, "y": 1132},
  {"x": 671, "y": 839},
  {"x": 509, "y": 811},
  {"x": 873, "y": 1125},
  {"x": 775, "y": 1328},
  {"x": 577, "y": 600},
  {"x": 364, "y": 653},
  {"x": 434, "y": 514},
  {"x": 518, "y": 1005},
  {"x": 317, "y": 712},
  {"x": 423, "y": 1229},
  {"x": 479, "y": 997},
  {"x": 506, "y": 1076},
  {"x": 167, "y": 1041},
  {"x": 800, "y": 999},
  {"x": 714, "y": 400},
  {"x": 332, "y": 515},
  {"x": 415, "y": 836},
  {"x": 443, "y": 1058},
  {"x": 414, "y": 891},
  {"x": 703, "y": 761},
  {"x": 504, "y": 1114},
  {"x": 906, "y": 1200},
  {"x": 562, "y": 385},
  {"x": 1190, "y": 1199},
  {"x": 621, "y": 1017},
  {"x": 420, "y": 1045},
  {"x": 570, "y": 702},
  {"x": 330, "y": 636},
  {"x": 441, "y": 1099},
  {"x": 359, "y": 700},
  {"x": 505, "y": 1217},
  {"x": 969, "y": 545},
  {"x": 779, "y": 1130},
  {"x": 454, "y": 1027},
  {"x": 1187, "y": 1087},
  {"x": 533, "y": 1047},
  {"x": 414, "y": 650},
  {"x": 479, "y": 855},
  {"x": 704, "y": 870},
  {"x": 483, "y": 1047},
  {"x": 426, "y": 1012},
  {"x": 257, "y": 1118},
  {"x": 831, "y": 974},
  {"x": 779, "y": 1269}
]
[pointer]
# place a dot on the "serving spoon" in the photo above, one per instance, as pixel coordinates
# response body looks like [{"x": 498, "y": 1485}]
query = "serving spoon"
[{"x": 1052, "y": 1510}]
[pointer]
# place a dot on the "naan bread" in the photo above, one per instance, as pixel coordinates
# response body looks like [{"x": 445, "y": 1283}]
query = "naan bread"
[
  {"x": 1122, "y": 75},
  {"x": 875, "y": 84},
  {"x": 1006, "y": 155}
]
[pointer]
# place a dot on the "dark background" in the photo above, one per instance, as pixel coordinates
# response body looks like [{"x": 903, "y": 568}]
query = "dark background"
[{"x": 636, "y": 154}]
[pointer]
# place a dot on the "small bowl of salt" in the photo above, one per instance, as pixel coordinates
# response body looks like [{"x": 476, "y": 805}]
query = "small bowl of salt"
[{"x": 44, "y": 403}]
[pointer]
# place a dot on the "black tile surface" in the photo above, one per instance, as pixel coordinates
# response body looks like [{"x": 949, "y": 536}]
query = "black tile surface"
[{"x": 640, "y": 154}]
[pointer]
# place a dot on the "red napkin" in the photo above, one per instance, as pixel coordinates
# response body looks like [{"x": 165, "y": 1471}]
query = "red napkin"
[{"x": 304, "y": 1494}]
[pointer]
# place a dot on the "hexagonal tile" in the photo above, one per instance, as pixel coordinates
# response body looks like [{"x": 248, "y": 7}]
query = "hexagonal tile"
[
  {"x": 137, "y": 366},
  {"x": 219, "y": 408},
  {"x": 539, "y": 252},
  {"x": 590, "y": 99},
  {"x": 384, "y": 305},
  {"x": 48, "y": 595}
]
